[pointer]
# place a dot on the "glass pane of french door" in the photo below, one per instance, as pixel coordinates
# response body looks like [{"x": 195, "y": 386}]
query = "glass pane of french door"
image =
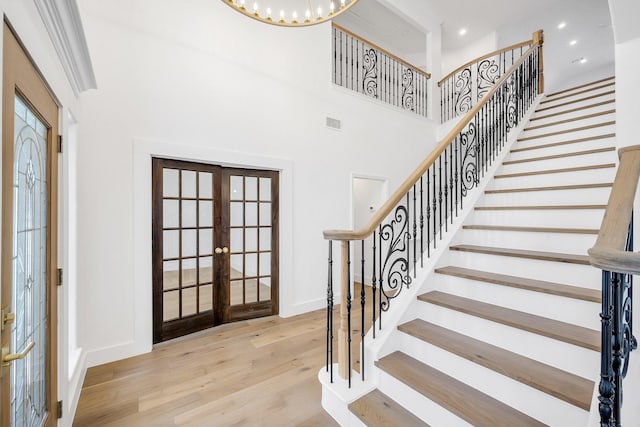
[{"x": 29, "y": 267}]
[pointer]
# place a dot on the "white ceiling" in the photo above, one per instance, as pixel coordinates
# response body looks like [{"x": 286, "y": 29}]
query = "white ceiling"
[{"x": 588, "y": 22}]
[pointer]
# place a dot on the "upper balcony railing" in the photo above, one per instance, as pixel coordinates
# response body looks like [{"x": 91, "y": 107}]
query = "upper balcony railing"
[
  {"x": 462, "y": 88},
  {"x": 406, "y": 229},
  {"x": 362, "y": 66}
]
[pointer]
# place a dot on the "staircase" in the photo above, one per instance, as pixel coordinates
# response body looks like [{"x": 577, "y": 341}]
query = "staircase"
[{"x": 505, "y": 331}]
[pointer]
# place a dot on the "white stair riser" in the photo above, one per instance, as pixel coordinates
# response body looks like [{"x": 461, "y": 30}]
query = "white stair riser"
[
  {"x": 561, "y": 149},
  {"x": 565, "y": 218},
  {"x": 601, "y": 175},
  {"x": 521, "y": 143},
  {"x": 571, "y": 114},
  {"x": 541, "y": 110},
  {"x": 580, "y": 275},
  {"x": 598, "y": 196},
  {"x": 556, "y": 127},
  {"x": 534, "y": 241},
  {"x": 572, "y": 96},
  {"x": 559, "y": 163},
  {"x": 519, "y": 396},
  {"x": 425, "y": 409},
  {"x": 568, "y": 357},
  {"x": 569, "y": 310},
  {"x": 588, "y": 85}
]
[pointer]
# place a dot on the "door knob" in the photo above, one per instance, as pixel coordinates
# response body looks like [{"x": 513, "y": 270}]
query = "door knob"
[
  {"x": 7, "y": 358},
  {"x": 225, "y": 250},
  {"x": 218, "y": 250}
]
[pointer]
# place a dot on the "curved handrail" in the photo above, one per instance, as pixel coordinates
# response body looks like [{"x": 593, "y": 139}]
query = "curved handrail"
[
  {"x": 609, "y": 252},
  {"x": 386, "y": 52},
  {"x": 488, "y": 55},
  {"x": 388, "y": 206}
]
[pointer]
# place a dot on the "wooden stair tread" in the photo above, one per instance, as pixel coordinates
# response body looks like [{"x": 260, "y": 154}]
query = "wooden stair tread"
[
  {"x": 573, "y": 110},
  {"x": 466, "y": 402},
  {"x": 559, "y": 156},
  {"x": 548, "y": 379},
  {"x": 524, "y": 253},
  {"x": 573, "y": 119},
  {"x": 581, "y": 86},
  {"x": 586, "y": 98},
  {"x": 560, "y": 170},
  {"x": 531, "y": 229},
  {"x": 571, "y": 141},
  {"x": 561, "y": 132},
  {"x": 555, "y": 329},
  {"x": 539, "y": 207},
  {"x": 555, "y": 98},
  {"x": 551, "y": 188},
  {"x": 376, "y": 409},
  {"x": 533, "y": 285}
]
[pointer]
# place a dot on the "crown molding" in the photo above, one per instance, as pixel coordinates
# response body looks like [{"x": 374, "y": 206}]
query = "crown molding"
[{"x": 62, "y": 20}]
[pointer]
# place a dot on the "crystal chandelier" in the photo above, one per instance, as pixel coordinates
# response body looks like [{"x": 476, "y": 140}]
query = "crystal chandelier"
[{"x": 291, "y": 13}]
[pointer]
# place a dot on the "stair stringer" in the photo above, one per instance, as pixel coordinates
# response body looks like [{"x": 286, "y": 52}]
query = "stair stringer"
[{"x": 337, "y": 396}]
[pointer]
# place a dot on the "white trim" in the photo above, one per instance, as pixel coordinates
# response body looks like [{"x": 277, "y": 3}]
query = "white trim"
[{"x": 63, "y": 23}]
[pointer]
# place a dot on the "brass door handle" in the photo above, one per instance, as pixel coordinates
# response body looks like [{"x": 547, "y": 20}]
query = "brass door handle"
[
  {"x": 224, "y": 250},
  {"x": 218, "y": 250},
  {"x": 7, "y": 358}
]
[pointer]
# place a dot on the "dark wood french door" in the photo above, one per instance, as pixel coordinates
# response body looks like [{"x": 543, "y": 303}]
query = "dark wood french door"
[{"x": 215, "y": 246}]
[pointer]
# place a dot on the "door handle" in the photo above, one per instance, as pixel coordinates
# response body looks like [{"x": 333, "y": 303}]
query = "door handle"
[
  {"x": 218, "y": 250},
  {"x": 7, "y": 357},
  {"x": 224, "y": 250},
  {"x": 6, "y": 317}
]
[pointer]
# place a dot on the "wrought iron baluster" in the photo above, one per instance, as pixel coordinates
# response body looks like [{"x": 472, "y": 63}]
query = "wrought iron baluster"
[
  {"x": 451, "y": 196},
  {"x": 446, "y": 193},
  {"x": 456, "y": 144},
  {"x": 435, "y": 205},
  {"x": 421, "y": 225},
  {"x": 373, "y": 286},
  {"x": 362, "y": 298},
  {"x": 415, "y": 232},
  {"x": 329, "y": 356},
  {"x": 380, "y": 277},
  {"x": 349, "y": 310},
  {"x": 428, "y": 215},
  {"x": 440, "y": 194}
]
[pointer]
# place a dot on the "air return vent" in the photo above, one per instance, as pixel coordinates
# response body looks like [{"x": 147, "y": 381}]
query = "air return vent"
[{"x": 333, "y": 123}]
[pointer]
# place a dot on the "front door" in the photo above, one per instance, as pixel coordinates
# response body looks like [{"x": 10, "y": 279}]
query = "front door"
[
  {"x": 28, "y": 303},
  {"x": 215, "y": 246}
]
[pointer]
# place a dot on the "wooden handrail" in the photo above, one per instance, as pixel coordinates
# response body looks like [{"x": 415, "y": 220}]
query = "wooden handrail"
[
  {"x": 609, "y": 253},
  {"x": 390, "y": 204},
  {"x": 386, "y": 52},
  {"x": 488, "y": 55}
]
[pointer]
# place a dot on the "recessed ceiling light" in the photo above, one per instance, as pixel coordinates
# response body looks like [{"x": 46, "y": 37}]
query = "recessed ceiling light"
[
  {"x": 562, "y": 25},
  {"x": 573, "y": 42},
  {"x": 462, "y": 31},
  {"x": 583, "y": 60}
]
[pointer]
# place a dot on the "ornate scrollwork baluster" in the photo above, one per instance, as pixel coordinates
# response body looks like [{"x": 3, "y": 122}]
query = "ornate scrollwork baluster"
[
  {"x": 395, "y": 265},
  {"x": 370, "y": 76}
]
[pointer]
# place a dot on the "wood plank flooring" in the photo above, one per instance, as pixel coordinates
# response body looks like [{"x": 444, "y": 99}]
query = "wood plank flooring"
[{"x": 261, "y": 372}]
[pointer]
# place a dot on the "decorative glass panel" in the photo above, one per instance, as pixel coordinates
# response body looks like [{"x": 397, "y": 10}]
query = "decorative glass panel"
[
  {"x": 170, "y": 305},
  {"x": 189, "y": 272},
  {"x": 265, "y": 288},
  {"x": 206, "y": 272},
  {"x": 265, "y": 189},
  {"x": 251, "y": 291},
  {"x": 29, "y": 264},
  {"x": 170, "y": 244},
  {"x": 206, "y": 213},
  {"x": 189, "y": 213},
  {"x": 251, "y": 214},
  {"x": 236, "y": 240},
  {"x": 265, "y": 263},
  {"x": 236, "y": 213},
  {"x": 170, "y": 214},
  {"x": 188, "y": 243},
  {"x": 265, "y": 239},
  {"x": 189, "y": 301},
  {"x": 265, "y": 213},
  {"x": 170, "y": 182},
  {"x": 236, "y": 192},
  {"x": 251, "y": 239},
  {"x": 205, "y": 184},
  {"x": 251, "y": 188},
  {"x": 237, "y": 266},
  {"x": 170, "y": 275},
  {"x": 236, "y": 292},
  {"x": 251, "y": 265},
  {"x": 206, "y": 298},
  {"x": 188, "y": 184},
  {"x": 206, "y": 241}
]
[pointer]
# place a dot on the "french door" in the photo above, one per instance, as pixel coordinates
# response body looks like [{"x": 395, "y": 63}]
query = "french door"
[
  {"x": 215, "y": 246},
  {"x": 29, "y": 224}
]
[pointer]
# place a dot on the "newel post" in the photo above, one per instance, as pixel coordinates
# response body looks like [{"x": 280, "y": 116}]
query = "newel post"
[
  {"x": 538, "y": 37},
  {"x": 343, "y": 330}
]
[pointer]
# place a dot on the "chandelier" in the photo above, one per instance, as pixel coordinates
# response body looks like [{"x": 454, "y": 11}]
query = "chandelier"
[{"x": 291, "y": 13}]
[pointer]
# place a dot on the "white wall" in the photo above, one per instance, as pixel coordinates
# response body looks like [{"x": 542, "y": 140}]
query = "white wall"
[
  {"x": 452, "y": 59},
  {"x": 195, "y": 80},
  {"x": 26, "y": 21}
]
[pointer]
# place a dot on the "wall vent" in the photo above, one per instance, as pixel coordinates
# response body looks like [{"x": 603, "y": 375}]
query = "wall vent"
[{"x": 333, "y": 123}]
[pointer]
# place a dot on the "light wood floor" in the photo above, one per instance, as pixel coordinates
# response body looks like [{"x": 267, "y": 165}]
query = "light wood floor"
[{"x": 261, "y": 372}]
